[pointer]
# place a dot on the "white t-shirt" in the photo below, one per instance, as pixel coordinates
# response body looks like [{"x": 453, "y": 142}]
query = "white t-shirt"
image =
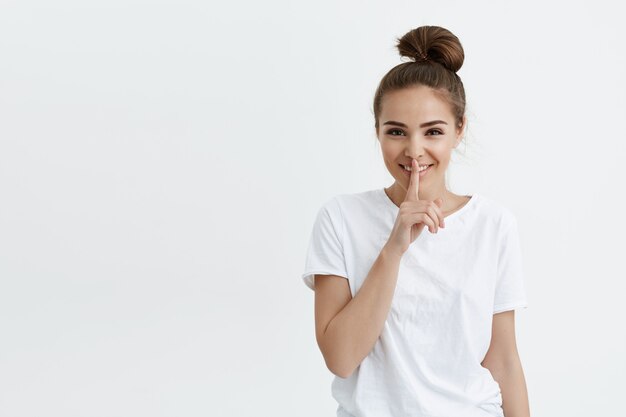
[{"x": 427, "y": 359}]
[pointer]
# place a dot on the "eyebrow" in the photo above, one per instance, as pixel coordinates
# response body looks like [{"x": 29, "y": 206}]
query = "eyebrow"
[{"x": 431, "y": 123}]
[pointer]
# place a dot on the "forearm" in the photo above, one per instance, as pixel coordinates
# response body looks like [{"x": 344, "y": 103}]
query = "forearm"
[
  {"x": 510, "y": 377},
  {"x": 352, "y": 333}
]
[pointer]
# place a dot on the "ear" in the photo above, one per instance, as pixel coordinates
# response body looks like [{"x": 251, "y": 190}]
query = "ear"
[{"x": 460, "y": 131}]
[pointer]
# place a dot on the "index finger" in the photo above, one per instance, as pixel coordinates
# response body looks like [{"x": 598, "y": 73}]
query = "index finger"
[{"x": 412, "y": 193}]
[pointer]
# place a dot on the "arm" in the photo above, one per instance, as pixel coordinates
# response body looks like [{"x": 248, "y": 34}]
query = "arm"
[
  {"x": 502, "y": 360},
  {"x": 350, "y": 335}
]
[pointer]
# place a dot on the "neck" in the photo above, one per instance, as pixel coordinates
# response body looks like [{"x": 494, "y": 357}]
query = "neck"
[{"x": 397, "y": 194}]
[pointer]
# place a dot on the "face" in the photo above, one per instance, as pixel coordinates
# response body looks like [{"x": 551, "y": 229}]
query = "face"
[{"x": 416, "y": 124}]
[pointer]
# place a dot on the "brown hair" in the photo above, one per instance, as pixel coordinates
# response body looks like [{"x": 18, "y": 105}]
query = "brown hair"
[{"x": 436, "y": 55}]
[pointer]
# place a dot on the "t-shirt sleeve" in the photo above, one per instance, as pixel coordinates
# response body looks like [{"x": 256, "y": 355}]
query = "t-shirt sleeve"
[
  {"x": 510, "y": 293},
  {"x": 325, "y": 254}
]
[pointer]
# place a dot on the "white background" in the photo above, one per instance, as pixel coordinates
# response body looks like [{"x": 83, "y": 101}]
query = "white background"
[{"x": 161, "y": 164}]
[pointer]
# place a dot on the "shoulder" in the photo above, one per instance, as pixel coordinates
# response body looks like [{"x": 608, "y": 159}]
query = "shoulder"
[
  {"x": 350, "y": 202},
  {"x": 496, "y": 212}
]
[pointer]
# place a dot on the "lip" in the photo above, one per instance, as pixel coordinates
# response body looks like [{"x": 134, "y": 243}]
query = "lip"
[{"x": 421, "y": 174}]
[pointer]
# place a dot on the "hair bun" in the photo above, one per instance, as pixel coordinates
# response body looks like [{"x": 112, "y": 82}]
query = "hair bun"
[{"x": 432, "y": 43}]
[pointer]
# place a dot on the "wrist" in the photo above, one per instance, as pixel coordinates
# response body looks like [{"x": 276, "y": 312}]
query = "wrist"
[{"x": 389, "y": 252}]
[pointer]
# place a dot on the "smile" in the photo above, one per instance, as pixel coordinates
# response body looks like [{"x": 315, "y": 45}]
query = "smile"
[{"x": 421, "y": 173}]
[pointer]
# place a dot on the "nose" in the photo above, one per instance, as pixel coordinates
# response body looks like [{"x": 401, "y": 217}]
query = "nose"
[{"x": 415, "y": 147}]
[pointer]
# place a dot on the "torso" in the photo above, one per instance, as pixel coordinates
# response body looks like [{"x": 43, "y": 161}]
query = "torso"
[{"x": 461, "y": 201}]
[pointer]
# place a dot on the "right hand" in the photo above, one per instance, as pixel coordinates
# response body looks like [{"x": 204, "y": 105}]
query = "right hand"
[{"x": 413, "y": 215}]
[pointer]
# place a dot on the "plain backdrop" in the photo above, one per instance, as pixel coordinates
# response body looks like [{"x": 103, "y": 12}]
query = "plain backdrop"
[{"x": 161, "y": 164}]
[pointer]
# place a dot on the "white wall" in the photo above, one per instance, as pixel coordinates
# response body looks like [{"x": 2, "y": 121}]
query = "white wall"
[{"x": 161, "y": 163}]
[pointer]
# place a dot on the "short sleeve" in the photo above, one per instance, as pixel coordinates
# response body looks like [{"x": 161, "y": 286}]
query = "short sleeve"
[
  {"x": 510, "y": 293},
  {"x": 325, "y": 253}
]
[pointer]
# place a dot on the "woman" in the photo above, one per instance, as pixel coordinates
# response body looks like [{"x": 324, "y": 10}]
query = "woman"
[{"x": 413, "y": 323}]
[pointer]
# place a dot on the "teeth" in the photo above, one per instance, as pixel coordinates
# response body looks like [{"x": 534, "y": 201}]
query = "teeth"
[{"x": 420, "y": 168}]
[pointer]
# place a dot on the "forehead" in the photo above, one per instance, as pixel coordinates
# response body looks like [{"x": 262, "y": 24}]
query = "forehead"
[{"x": 414, "y": 105}]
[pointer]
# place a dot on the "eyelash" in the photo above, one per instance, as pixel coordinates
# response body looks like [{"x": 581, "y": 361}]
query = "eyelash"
[{"x": 431, "y": 130}]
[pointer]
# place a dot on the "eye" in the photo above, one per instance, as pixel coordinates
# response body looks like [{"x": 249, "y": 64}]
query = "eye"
[
  {"x": 393, "y": 130},
  {"x": 439, "y": 132}
]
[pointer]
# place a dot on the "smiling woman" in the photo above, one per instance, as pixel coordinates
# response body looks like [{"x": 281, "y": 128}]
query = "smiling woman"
[
  {"x": 421, "y": 106},
  {"x": 419, "y": 324},
  {"x": 430, "y": 143}
]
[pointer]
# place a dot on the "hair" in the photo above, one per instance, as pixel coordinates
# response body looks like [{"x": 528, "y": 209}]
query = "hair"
[{"x": 436, "y": 55}]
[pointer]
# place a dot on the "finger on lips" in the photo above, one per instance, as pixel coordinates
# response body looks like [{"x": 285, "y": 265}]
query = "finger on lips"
[{"x": 413, "y": 195}]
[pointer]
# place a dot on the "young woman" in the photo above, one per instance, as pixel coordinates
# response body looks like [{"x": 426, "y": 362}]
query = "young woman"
[{"x": 412, "y": 323}]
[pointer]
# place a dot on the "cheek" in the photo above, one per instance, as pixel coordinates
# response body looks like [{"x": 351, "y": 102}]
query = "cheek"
[
  {"x": 391, "y": 149},
  {"x": 389, "y": 154},
  {"x": 442, "y": 153}
]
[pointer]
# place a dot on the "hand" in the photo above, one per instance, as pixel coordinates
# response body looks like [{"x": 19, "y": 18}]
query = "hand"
[{"x": 413, "y": 215}]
